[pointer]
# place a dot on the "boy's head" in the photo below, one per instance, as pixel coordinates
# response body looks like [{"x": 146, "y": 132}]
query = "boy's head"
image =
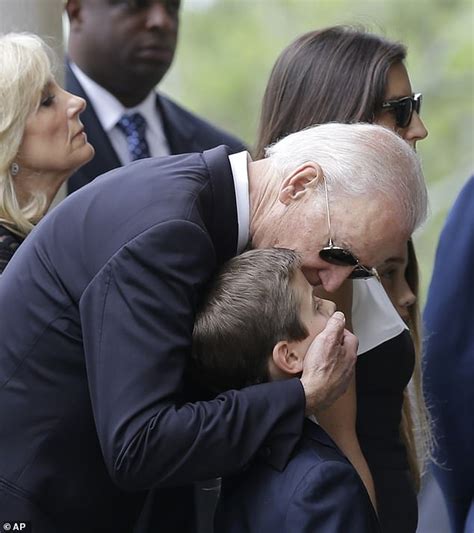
[{"x": 258, "y": 320}]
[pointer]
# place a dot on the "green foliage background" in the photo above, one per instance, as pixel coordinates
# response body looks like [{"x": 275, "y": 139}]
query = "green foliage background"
[{"x": 227, "y": 49}]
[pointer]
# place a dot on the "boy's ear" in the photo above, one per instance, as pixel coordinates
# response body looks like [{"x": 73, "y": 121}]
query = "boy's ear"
[
  {"x": 299, "y": 182},
  {"x": 287, "y": 358}
]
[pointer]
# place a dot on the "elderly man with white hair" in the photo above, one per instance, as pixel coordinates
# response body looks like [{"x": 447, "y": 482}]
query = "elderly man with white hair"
[{"x": 97, "y": 311}]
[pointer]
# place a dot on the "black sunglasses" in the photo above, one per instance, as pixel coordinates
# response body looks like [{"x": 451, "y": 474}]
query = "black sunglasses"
[
  {"x": 404, "y": 108},
  {"x": 341, "y": 256}
]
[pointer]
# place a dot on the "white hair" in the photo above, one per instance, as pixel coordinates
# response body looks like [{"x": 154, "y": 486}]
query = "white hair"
[
  {"x": 357, "y": 160},
  {"x": 25, "y": 69}
]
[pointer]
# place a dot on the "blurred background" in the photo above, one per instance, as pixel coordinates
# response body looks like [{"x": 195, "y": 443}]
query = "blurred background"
[{"x": 227, "y": 48}]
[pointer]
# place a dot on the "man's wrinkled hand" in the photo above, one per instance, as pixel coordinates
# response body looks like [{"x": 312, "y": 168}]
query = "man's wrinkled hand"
[{"x": 329, "y": 364}]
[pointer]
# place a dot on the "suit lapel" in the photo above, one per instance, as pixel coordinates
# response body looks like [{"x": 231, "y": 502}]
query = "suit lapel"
[{"x": 179, "y": 130}]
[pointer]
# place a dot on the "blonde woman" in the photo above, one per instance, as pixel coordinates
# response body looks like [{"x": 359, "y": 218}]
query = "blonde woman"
[{"x": 42, "y": 140}]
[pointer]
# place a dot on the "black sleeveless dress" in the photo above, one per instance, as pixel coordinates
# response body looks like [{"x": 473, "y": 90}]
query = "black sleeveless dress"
[{"x": 381, "y": 376}]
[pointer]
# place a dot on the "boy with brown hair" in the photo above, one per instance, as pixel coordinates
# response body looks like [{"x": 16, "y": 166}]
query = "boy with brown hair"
[{"x": 256, "y": 325}]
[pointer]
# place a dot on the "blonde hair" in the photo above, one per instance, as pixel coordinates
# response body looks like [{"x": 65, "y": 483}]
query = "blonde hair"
[
  {"x": 416, "y": 427},
  {"x": 25, "y": 70}
]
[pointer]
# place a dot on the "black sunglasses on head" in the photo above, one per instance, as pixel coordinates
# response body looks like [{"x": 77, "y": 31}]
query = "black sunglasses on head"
[
  {"x": 341, "y": 256},
  {"x": 404, "y": 108}
]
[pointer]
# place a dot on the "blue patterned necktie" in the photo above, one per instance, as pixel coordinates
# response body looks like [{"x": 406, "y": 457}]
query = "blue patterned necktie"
[{"x": 134, "y": 127}]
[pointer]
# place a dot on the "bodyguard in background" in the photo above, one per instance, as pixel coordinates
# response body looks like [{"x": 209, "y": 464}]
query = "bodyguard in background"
[{"x": 119, "y": 50}]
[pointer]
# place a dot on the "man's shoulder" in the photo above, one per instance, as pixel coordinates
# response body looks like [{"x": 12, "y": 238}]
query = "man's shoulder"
[{"x": 205, "y": 133}]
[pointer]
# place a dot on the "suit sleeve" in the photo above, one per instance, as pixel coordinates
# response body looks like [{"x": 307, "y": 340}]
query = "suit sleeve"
[
  {"x": 137, "y": 317},
  {"x": 331, "y": 498}
]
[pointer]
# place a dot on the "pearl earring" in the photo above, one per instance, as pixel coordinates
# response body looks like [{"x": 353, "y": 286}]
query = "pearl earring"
[{"x": 14, "y": 169}]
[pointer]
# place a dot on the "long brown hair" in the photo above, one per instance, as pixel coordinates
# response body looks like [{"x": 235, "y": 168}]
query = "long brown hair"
[
  {"x": 337, "y": 74},
  {"x": 415, "y": 427}
]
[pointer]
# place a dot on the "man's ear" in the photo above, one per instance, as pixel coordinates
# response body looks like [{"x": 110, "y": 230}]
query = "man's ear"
[
  {"x": 300, "y": 181},
  {"x": 287, "y": 358},
  {"x": 73, "y": 10}
]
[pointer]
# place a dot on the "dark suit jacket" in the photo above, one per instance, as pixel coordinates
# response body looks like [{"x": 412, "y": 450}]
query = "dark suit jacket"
[
  {"x": 318, "y": 491},
  {"x": 184, "y": 131},
  {"x": 96, "y": 315},
  {"x": 449, "y": 360}
]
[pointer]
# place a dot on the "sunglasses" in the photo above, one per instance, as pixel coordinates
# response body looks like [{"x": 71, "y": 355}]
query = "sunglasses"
[
  {"x": 341, "y": 256},
  {"x": 404, "y": 108}
]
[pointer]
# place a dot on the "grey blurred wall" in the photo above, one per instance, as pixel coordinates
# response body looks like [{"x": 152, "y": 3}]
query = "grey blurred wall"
[{"x": 43, "y": 17}]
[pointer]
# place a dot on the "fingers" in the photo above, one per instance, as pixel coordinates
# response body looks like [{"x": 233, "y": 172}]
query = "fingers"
[
  {"x": 337, "y": 318},
  {"x": 350, "y": 342},
  {"x": 334, "y": 329}
]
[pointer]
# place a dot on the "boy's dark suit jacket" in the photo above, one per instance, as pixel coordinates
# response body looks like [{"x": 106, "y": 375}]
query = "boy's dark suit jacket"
[
  {"x": 96, "y": 314},
  {"x": 319, "y": 491},
  {"x": 184, "y": 131}
]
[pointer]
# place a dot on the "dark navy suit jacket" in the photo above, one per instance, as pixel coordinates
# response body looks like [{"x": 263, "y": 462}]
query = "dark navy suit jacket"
[
  {"x": 96, "y": 316},
  {"x": 318, "y": 491},
  {"x": 449, "y": 360},
  {"x": 184, "y": 131}
]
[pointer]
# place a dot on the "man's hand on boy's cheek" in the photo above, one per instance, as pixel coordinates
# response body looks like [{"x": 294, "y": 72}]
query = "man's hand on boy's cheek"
[{"x": 329, "y": 364}]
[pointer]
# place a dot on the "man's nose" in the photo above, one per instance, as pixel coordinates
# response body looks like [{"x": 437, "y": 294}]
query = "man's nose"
[
  {"x": 158, "y": 16},
  {"x": 333, "y": 277}
]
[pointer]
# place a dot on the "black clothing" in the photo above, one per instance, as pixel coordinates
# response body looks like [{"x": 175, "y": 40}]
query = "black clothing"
[
  {"x": 9, "y": 243},
  {"x": 382, "y": 375}
]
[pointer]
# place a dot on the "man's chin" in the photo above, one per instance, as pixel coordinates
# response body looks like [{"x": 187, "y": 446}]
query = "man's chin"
[{"x": 148, "y": 71}]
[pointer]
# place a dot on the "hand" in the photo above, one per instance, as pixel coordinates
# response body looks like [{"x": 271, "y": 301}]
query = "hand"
[{"x": 329, "y": 364}]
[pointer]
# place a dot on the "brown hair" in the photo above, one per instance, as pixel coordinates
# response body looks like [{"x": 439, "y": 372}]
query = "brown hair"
[
  {"x": 333, "y": 75},
  {"x": 249, "y": 308},
  {"x": 415, "y": 427}
]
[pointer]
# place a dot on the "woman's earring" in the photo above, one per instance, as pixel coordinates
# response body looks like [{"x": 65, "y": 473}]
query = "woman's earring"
[{"x": 14, "y": 169}]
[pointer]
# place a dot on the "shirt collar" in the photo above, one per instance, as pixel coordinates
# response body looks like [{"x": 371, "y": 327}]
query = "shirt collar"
[{"x": 239, "y": 165}]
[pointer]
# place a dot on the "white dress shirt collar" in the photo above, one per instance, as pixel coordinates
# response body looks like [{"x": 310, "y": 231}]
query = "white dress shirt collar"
[{"x": 239, "y": 165}]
